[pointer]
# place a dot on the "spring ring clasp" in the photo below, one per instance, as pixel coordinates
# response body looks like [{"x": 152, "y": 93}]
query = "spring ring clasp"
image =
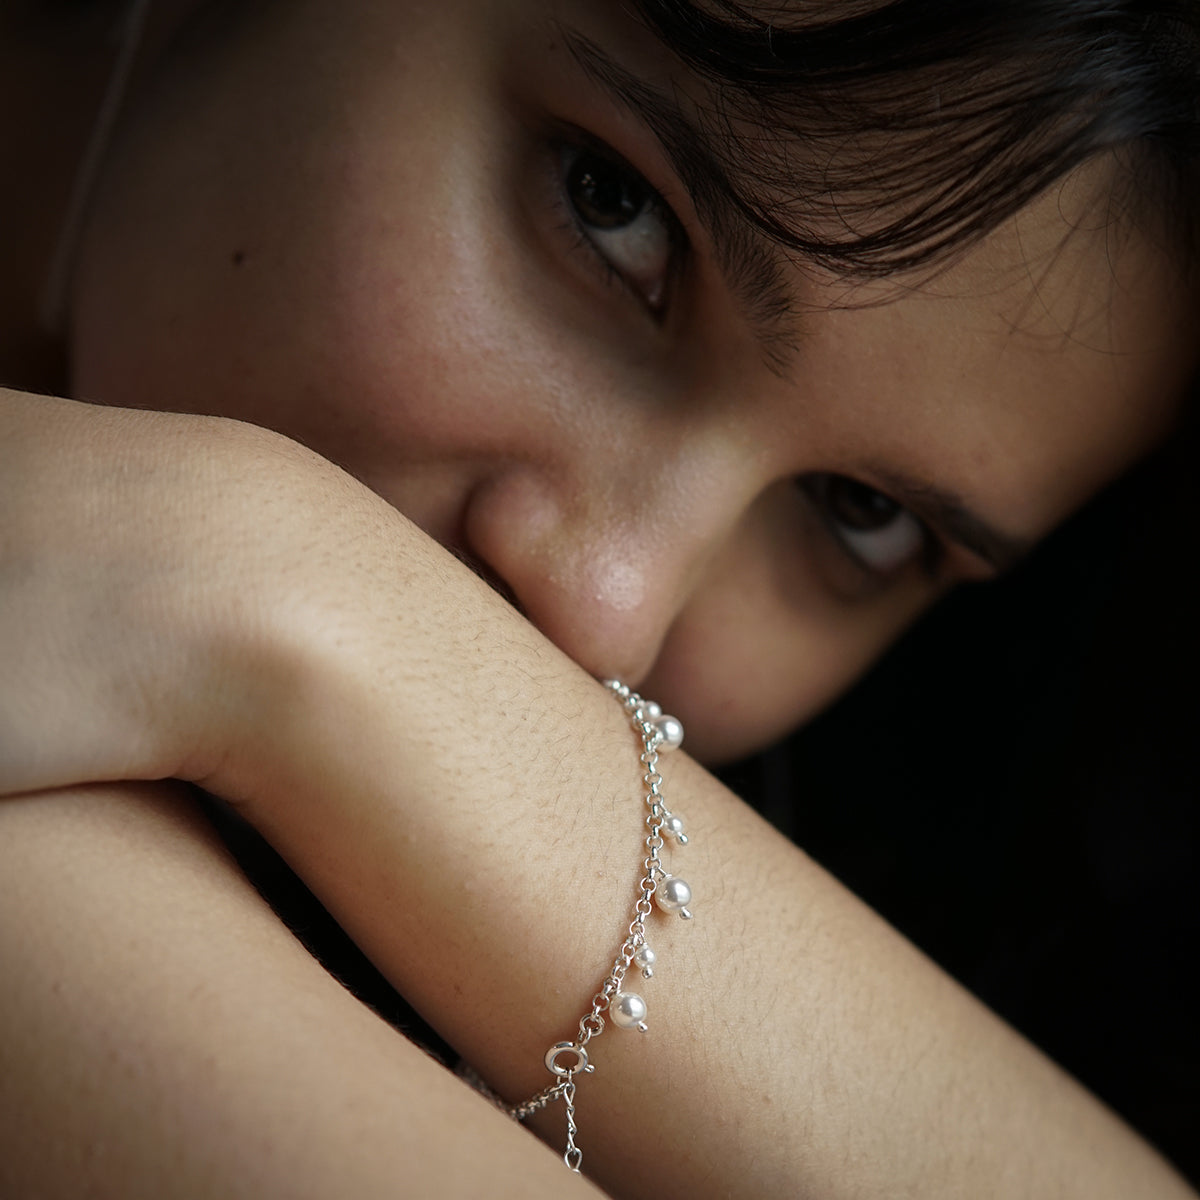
[{"x": 581, "y": 1060}]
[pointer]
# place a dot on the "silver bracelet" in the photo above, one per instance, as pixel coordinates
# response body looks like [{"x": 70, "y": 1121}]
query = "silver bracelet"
[{"x": 624, "y": 1009}]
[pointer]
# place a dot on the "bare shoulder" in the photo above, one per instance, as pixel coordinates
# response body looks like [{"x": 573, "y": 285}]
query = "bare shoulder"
[{"x": 161, "y": 1033}]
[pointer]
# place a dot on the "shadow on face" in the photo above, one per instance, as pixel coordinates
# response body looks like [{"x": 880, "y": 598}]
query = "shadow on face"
[{"x": 439, "y": 248}]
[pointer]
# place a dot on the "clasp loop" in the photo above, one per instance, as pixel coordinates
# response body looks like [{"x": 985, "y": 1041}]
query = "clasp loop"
[{"x": 581, "y": 1059}]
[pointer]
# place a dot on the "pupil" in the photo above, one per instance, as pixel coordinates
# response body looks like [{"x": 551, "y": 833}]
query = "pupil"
[
  {"x": 604, "y": 195},
  {"x": 860, "y": 507}
]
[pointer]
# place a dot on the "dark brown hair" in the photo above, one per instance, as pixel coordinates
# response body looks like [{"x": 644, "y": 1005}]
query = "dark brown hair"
[{"x": 872, "y": 138}]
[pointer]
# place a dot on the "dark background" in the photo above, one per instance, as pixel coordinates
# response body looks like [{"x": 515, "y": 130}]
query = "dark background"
[{"x": 1015, "y": 788}]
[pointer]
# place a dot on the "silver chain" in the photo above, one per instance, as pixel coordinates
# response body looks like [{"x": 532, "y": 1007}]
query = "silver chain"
[{"x": 657, "y": 732}]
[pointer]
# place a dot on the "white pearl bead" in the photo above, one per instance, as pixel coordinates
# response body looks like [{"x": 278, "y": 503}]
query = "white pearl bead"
[
  {"x": 644, "y": 959},
  {"x": 673, "y": 895},
  {"x": 627, "y": 1010},
  {"x": 671, "y": 729},
  {"x": 674, "y": 827},
  {"x": 650, "y": 710}
]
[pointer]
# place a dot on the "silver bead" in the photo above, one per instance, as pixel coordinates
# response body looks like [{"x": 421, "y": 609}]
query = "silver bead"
[
  {"x": 671, "y": 730},
  {"x": 673, "y": 895},
  {"x": 674, "y": 827},
  {"x": 644, "y": 959},
  {"x": 627, "y": 1010}
]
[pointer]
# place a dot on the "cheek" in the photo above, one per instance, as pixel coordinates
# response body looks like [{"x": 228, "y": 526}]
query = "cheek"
[
  {"x": 377, "y": 306},
  {"x": 749, "y": 660},
  {"x": 284, "y": 241},
  {"x": 727, "y": 683},
  {"x": 334, "y": 326}
]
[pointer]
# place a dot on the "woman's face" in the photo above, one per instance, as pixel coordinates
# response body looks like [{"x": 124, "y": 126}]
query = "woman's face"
[{"x": 425, "y": 240}]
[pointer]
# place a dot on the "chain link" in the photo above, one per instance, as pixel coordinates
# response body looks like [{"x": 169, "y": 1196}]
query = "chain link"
[
  {"x": 643, "y": 717},
  {"x": 536, "y": 1103},
  {"x": 572, "y": 1156}
]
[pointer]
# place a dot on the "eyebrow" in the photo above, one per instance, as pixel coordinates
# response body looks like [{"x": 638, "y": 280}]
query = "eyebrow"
[
  {"x": 949, "y": 514},
  {"x": 751, "y": 264},
  {"x": 753, "y": 269}
]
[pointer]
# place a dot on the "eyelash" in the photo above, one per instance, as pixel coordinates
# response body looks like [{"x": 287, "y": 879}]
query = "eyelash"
[
  {"x": 566, "y": 154},
  {"x": 928, "y": 554}
]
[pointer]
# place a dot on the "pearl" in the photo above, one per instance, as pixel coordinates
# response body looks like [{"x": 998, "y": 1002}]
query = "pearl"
[
  {"x": 674, "y": 895},
  {"x": 674, "y": 827},
  {"x": 644, "y": 959},
  {"x": 671, "y": 729},
  {"x": 650, "y": 710},
  {"x": 627, "y": 1010}
]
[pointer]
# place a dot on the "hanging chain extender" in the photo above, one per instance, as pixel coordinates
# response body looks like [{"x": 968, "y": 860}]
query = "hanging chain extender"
[{"x": 625, "y": 1010}]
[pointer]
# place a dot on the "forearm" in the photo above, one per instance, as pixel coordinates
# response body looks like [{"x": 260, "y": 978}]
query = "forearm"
[
  {"x": 467, "y": 802},
  {"x": 162, "y": 1034},
  {"x": 474, "y": 818}
]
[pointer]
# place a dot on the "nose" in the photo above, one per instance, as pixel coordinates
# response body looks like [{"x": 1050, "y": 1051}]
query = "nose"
[{"x": 604, "y": 545}]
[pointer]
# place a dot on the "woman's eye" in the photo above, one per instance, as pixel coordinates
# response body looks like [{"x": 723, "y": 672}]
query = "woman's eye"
[
  {"x": 879, "y": 534},
  {"x": 624, "y": 220}
]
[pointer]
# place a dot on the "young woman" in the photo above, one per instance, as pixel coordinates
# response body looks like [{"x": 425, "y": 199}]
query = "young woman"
[{"x": 718, "y": 351}]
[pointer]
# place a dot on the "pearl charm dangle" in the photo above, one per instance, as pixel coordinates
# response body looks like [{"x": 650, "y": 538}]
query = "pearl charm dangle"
[
  {"x": 673, "y": 895},
  {"x": 644, "y": 959},
  {"x": 673, "y": 826},
  {"x": 670, "y": 730},
  {"x": 628, "y": 1011},
  {"x": 611, "y": 1005}
]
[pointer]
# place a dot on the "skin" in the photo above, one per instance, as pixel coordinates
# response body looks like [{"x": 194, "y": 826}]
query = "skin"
[
  {"x": 420, "y": 318},
  {"x": 379, "y": 247},
  {"x": 472, "y": 820},
  {"x": 303, "y": 1093}
]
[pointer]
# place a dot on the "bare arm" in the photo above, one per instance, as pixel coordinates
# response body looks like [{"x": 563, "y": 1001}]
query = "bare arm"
[
  {"x": 467, "y": 803},
  {"x": 798, "y": 1045},
  {"x": 161, "y": 1034}
]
